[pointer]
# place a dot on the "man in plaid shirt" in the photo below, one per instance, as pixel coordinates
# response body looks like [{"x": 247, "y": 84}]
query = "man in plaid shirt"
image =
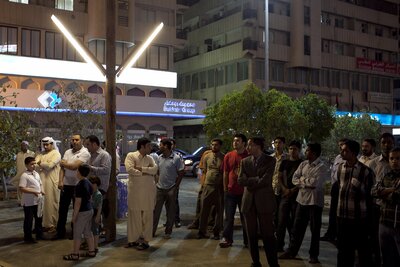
[
  {"x": 354, "y": 207},
  {"x": 388, "y": 189}
]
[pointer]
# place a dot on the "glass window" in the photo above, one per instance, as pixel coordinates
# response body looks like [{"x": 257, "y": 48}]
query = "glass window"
[
  {"x": 230, "y": 73},
  {"x": 325, "y": 19},
  {"x": 325, "y": 75},
  {"x": 65, "y": 4},
  {"x": 364, "y": 82},
  {"x": 385, "y": 85},
  {"x": 54, "y": 45},
  {"x": 8, "y": 40},
  {"x": 220, "y": 76},
  {"x": 325, "y": 46},
  {"x": 335, "y": 79},
  {"x": 375, "y": 84},
  {"x": 211, "y": 78},
  {"x": 203, "y": 79},
  {"x": 339, "y": 22},
  {"x": 276, "y": 71},
  {"x": 98, "y": 48},
  {"x": 307, "y": 15},
  {"x": 187, "y": 83},
  {"x": 291, "y": 75},
  {"x": 355, "y": 81},
  {"x": 121, "y": 52},
  {"x": 338, "y": 49},
  {"x": 163, "y": 58},
  {"x": 315, "y": 77},
  {"x": 30, "y": 45},
  {"x": 71, "y": 53},
  {"x": 242, "y": 71},
  {"x": 307, "y": 45},
  {"x": 344, "y": 80},
  {"x": 195, "y": 81}
]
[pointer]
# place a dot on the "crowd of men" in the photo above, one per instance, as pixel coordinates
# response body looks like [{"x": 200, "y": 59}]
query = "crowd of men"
[{"x": 275, "y": 194}]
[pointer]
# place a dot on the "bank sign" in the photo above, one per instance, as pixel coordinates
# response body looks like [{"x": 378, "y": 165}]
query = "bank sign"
[{"x": 175, "y": 106}]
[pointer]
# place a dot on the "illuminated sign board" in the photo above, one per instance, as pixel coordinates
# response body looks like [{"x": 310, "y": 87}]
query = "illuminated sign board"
[
  {"x": 384, "y": 119},
  {"x": 179, "y": 107},
  {"x": 49, "y": 99}
]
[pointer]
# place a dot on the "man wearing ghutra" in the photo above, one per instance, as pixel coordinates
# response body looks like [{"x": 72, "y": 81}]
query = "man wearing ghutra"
[{"x": 49, "y": 168}]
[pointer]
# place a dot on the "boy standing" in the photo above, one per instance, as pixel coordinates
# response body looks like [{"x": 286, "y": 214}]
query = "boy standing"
[
  {"x": 32, "y": 191},
  {"x": 82, "y": 215},
  {"x": 97, "y": 201},
  {"x": 388, "y": 189}
]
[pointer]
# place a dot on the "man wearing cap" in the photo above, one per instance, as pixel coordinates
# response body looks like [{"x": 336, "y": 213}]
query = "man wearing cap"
[
  {"x": 49, "y": 169},
  {"x": 20, "y": 164}
]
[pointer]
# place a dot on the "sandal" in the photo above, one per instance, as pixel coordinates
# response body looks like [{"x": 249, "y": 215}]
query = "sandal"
[
  {"x": 89, "y": 254},
  {"x": 71, "y": 257},
  {"x": 132, "y": 244}
]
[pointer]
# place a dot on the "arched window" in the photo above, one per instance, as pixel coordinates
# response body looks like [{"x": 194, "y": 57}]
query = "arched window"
[
  {"x": 158, "y": 93},
  {"x": 29, "y": 84},
  {"x": 95, "y": 89},
  {"x": 7, "y": 83},
  {"x": 52, "y": 86},
  {"x": 73, "y": 87},
  {"x": 118, "y": 91},
  {"x": 136, "y": 92}
]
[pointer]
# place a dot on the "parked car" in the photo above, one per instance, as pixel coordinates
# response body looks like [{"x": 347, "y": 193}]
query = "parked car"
[{"x": 192, "y": 161}]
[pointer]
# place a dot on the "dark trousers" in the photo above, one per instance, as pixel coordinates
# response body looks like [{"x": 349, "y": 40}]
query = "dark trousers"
[
  {"x": 276, "y": 213},
  {"x": 287, "y": 213},
  {"x": 265, "y": 221},
  {"x": 389, "y": 238},
  {"x": 177, "y": 209},
  {"x": 211, "y": 196},
  {"x": 332, "y": 225},
  {"x": 305, "y": 214},
  {"x": 353, "y": 236},
  {"x": 30, "y": 212},
  {"x": 167, "y": 196},
  {"x": 231, "y": 202},
  {"x": 374, "y": 235},
  {"x": 66, "y": 196}
]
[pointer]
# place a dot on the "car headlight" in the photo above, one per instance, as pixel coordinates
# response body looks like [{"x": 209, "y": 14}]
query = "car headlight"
[{"x": 188, "y": 162}]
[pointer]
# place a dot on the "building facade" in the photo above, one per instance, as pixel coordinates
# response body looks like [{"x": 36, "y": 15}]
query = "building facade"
[
  {"x": 345, "y": 51},
  {"x": 35, "y": 57}
]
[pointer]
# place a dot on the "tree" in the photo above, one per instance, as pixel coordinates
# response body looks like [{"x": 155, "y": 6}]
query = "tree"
[
  {"x": 238, "y": 112},
  {"x": 352, "y": 127},
  {"x": 14, "y": 128},
  {"x": 269, "y": 114},
  {"x": 319, "y": 117}
]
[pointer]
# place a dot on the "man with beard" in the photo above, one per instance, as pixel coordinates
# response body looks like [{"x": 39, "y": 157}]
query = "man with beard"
[
  {"x": 368, "y": 151},
  {"x": 72, "y": 159}
]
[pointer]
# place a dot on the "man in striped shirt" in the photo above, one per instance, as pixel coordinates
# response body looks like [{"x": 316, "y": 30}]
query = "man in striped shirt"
[{"x": 354, "y": 207}]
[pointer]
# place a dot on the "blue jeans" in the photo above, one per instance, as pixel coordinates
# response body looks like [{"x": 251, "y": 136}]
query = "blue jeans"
[
  {"x": 232, "y": 201},
  {"x": 390, "y": 245}
]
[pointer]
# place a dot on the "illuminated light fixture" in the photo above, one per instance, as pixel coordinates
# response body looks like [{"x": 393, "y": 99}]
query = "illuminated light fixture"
[
  {"x": 82, "y": 71},
  {"x": 122, "y": 113},
  {"x": 85, "y": 54},
  {"x": 134, "y": 55}
]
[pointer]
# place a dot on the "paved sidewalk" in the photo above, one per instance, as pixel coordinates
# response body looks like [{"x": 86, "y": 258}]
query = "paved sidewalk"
[{"x": 183, "y": 249}]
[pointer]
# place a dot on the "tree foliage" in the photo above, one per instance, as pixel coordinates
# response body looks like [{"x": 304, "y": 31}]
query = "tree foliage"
[
  {"x": 269, "y": 114},
  {"x": 352, "y": 127}
]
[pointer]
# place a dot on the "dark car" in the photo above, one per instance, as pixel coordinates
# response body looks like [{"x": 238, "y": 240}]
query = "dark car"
[{"x": 192, "y": 161}]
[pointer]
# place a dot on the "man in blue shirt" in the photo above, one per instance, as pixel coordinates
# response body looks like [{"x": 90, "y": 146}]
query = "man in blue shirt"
[{"x": 170, "y": 170}]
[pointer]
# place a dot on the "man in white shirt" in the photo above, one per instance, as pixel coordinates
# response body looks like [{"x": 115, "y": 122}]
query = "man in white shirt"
[
  {"x": 72, "y": 159},
  {"x": 310, "y": 178}
]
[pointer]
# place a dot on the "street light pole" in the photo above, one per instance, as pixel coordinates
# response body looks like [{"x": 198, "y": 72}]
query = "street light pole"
[
  {"x": 110, "y": 102},
  {"x": 266, "y": 79}
]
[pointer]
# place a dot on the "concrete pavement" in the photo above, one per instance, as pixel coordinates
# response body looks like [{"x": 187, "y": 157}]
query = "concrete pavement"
[{"x": 183, "y": 249}]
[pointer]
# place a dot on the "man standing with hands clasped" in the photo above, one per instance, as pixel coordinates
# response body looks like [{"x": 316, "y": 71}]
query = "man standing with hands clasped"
[{"x": 258, "y": 204}]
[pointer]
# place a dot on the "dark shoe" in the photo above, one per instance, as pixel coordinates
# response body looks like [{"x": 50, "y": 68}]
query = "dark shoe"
[
  {"x": 280, "y": 250},
  {"x": 132, "y": 245},
  {"x": 286, "y": 256},
  {"x": 178, "y": 224},
  {"x": 225, "y": 243},
  {"x": 193, "y": 226},
  {"x": 202, "y": 236},
  {"x": 313, "y": 260},
  {"x": 326, "y": 237},
  {"x": 88, "y": 254},
  {"x": 256, "y": 265},
  {"x": 142, "y": 246}
]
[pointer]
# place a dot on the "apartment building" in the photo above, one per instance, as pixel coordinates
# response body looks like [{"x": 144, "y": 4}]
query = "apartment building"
[
  {"x": 35, "y": 58},
  {"x": 346, "y": 51}
]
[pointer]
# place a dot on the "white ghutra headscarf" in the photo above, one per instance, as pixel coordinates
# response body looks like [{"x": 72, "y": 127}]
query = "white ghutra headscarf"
[{"x": 48, "y": 140}]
